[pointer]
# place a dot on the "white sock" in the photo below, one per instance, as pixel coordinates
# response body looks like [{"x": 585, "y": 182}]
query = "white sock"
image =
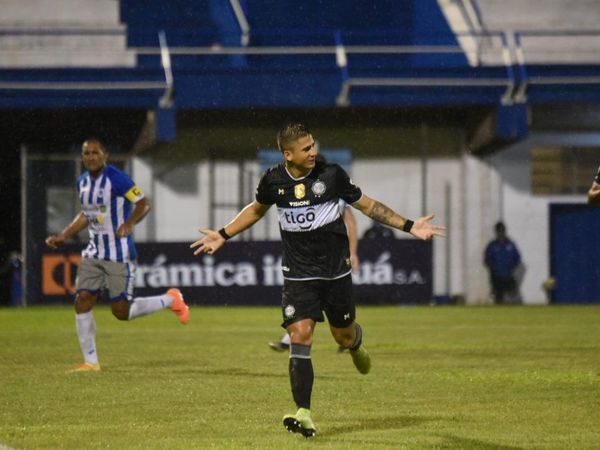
[
  {"x": 147, "y": 305},
  {"x": 285, "y": 339},
  {"x": 86, "y": 331}
]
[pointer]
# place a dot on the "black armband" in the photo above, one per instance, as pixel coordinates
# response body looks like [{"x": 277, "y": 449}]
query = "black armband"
[
  {"x": 224, "y": 234},
  {"x": 408, "y": 225}
]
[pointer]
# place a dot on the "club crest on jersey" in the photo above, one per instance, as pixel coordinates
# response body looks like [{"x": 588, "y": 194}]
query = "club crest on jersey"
[
  {"x": 318, "y": 188},
  {"x": 299, "y": 191}
]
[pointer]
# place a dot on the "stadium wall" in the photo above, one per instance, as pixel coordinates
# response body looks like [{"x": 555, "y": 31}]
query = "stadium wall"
[
  {"x": 527, "y": 216},
  {"x": 395, "y": 182},
  {"x": 481, "y": 191}
]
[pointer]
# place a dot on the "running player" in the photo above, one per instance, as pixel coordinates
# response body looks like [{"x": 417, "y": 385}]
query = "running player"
[
  {"x": 107, "y": 195},
  {"x": 316, "y": 257}
]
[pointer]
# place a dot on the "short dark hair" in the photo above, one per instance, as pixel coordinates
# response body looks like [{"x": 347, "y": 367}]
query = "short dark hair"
[
  {"x": 94, "y": 141},
  {"x": 500, "y": 227},
  {"x": 290, "y": 133}
]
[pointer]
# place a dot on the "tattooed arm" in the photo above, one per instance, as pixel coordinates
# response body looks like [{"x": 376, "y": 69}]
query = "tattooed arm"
[{"x": 376, "y": 210}]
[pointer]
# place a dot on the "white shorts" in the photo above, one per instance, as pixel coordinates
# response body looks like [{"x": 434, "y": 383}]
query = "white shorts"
[{"x": 95, "y": 274}]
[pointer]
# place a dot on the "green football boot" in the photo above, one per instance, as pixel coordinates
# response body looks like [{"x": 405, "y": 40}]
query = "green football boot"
[
  {"x": 361, "y": 359},
  {"x": 300, "y": 422}
]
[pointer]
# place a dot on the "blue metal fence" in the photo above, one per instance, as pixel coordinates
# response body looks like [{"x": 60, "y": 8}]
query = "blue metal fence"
[{"x": 394, "y": 53}]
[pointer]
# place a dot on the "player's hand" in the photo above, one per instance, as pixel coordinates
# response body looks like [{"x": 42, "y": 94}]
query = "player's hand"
[
  {"x": 55, "y": 241},
  {"x": 124, "y": 230},
  {"x": 210, "y": 243},
  {"x": 424, "y": 230},
  {"x": 355, "y": 263}
]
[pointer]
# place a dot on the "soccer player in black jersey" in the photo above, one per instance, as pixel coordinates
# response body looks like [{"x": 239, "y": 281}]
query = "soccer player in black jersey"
[
  {"x": 283, "y": 344},
  {"x": 316, "y": 257}
]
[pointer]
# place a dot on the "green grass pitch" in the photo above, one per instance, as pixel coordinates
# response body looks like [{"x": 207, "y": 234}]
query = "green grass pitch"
[{"x": 442, "y": 377}]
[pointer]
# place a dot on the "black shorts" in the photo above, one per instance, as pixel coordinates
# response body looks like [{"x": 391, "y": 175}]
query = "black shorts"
[{"x": 308, "y": 299}]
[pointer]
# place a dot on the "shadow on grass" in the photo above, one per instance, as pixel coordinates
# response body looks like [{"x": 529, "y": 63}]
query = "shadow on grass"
[
  {"x": 175, "y": 367},
  {"x": 398, "y": 422},
  {"x": 460, "y": 442},
  {"x": 382, "y": 423}
]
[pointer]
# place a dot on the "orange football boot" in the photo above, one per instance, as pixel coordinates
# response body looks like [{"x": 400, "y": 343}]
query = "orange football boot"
[
  {"x": 85, "y": 367},
  {"x": 178, "y": 306}
]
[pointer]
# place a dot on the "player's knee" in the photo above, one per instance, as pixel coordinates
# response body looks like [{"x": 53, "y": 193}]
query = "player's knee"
[
  {"x": 120, "y": 309},
  {"x": 120, "y": 315},
  {"x": 302, "y": 337},
  {"x": 345, "y": 340},
  {"x": 84, "y": 302},
  {"x": 344, "y": 337},
  {"x": 301, "y": 332}
]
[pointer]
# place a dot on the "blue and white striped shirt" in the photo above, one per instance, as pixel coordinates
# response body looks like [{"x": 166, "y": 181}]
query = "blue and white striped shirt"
[{"x": 107, "y": 202}]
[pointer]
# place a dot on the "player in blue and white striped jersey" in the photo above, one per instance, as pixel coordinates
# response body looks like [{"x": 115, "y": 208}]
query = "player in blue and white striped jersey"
[
  {"x": 111, "y": 205},
  {"x": 106, "y": 202}
]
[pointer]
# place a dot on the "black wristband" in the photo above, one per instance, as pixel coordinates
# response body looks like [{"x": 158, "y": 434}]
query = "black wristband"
[
  {"x": 408, "y": 224},
  {"x": 224, "y": 234}
]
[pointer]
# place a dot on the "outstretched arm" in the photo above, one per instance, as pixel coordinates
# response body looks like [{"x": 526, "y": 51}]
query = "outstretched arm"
[
  {"x": 376, "y": 210},
  {"x": 214, "y": 240},
  {"x": 79, "y": 223}
]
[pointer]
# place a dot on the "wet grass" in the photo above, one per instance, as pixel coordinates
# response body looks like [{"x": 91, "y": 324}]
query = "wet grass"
[{"x": 443, "y": 377}]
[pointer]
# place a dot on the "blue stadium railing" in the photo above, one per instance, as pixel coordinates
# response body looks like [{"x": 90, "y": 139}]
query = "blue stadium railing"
[
  {"x": 323, "y": 69},
  {"x": 559, "y": 82},
  {"x": 270, "y": 76}
]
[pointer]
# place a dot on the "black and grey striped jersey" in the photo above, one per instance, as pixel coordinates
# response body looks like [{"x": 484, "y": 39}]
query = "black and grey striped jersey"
[{"x": 315, "y": 241}]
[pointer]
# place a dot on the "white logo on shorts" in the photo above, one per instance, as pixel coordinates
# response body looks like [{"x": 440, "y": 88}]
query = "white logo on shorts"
[{"x": 289, "y": 311}]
